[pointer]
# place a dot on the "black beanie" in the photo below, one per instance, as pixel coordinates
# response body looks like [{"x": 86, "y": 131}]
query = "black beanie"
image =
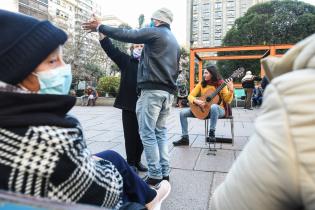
[{"x": 24, "y": 43}]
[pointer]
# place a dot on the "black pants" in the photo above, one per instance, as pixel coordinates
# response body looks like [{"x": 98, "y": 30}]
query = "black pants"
[
  {"x": 248, "y": 97},
  {"x": 133, "y": 144}
]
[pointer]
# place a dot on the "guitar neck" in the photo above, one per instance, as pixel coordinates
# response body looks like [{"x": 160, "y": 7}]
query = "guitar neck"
[{"x": 209, "y": 98}]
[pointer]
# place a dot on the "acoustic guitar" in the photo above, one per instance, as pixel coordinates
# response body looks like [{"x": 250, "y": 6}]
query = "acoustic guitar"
[{"x": 212, "y": 97}]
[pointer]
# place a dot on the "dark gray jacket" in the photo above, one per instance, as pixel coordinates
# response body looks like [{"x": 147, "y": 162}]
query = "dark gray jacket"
[{"x": 159, "y": 63}]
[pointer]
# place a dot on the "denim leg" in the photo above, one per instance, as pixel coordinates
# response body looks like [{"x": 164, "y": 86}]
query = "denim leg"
[
  {"x": 150, "y": 105},
  {"x": 216, "y": 112},
  {"x": 183, "y": 115},
  {"x": 160, "y": 133},
  {"x": 134, "y": 188}
]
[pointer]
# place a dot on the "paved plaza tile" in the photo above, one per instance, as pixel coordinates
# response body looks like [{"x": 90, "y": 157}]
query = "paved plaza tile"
[{"x": 194, "y": 174}]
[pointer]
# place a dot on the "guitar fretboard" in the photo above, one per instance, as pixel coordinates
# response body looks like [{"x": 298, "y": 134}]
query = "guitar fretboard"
[{"x": 209, "y": 98}]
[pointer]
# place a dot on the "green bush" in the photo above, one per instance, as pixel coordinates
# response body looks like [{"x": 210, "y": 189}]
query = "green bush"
[{"x": 108, "y": 84}]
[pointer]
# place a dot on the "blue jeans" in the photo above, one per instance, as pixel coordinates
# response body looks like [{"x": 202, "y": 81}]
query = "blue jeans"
[
  {"x": 216, "y": 112},
  {"x": 153, "y": 108}
]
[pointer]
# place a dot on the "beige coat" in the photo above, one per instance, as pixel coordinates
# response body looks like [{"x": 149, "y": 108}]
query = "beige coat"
[{"x": 276, "y": 170}]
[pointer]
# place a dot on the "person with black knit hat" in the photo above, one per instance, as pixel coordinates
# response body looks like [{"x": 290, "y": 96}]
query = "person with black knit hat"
[
  {"x": 156, "y": 81},
  {"x": 42, "y": 149}
]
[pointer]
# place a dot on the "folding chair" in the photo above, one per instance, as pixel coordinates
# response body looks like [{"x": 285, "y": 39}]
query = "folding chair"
[
  {"x": 212, "y": 151},
  {"x": 239, "y": 95}
]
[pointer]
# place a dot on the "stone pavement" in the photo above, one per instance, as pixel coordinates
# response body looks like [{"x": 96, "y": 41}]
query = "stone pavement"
[{"x": 194, "y": 174}]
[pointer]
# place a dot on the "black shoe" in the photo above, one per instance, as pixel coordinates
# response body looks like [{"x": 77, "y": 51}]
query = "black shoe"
[
  {"x": 167, "y": 178},
  {"x": 141, "y": 167},
  {"x": 211, "y": 136},
  {"x": 182, "y": 142},
  {"x": 151, "y": 181}
]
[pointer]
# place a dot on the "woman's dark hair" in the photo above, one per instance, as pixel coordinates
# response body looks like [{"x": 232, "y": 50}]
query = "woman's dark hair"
[{"x": 215, "y": 75}]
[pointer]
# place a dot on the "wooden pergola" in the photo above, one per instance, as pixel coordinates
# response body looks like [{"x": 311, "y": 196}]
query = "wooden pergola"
[{"x": 194, "y": 55}]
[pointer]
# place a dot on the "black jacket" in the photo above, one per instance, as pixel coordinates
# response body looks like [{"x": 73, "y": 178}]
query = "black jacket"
[
  {"x": 127, "y": 93},
  {"x": 159, "y": 61},
  {"x": 43, "y": 152},
  {"x": 250, "y": 83}
]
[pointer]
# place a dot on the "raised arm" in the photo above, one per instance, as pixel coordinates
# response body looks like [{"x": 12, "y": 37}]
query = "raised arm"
[
  {"x": 120, "y": 58},
  {"x": 144, "y": 35}
]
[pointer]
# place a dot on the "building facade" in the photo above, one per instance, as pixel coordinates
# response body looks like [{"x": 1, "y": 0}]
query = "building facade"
[
  {"x": 209, "y": 20},
  {"x": 35, "y": 8}
]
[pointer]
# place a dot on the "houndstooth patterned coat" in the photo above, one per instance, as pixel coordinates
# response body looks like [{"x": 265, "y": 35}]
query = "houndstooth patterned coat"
[{"x": 49, "y": 158}]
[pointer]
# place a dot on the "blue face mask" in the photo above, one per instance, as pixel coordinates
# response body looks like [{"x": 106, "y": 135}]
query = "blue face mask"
[
  {"x": 55, "y": 81},
  {"x": 152, "y": 24}
]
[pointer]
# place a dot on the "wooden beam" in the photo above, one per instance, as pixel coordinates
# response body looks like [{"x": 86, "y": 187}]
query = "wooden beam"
[
  {"x": 232, "y": 57},
  {"x": 192, "y": 70},
  {"x": 241, "y": 48},
  {"x": 200, "y": 70}
]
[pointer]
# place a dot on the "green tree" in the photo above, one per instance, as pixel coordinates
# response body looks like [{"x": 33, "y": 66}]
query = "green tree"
[
  {"x": 274, "y": 22},
  {"x": 123, "y": 46},
  {"x": 108, "y": 84},
  {"x": 141, "y": 20}
]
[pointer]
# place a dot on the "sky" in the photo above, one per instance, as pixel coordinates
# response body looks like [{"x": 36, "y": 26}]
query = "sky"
[{"x": 129, "y": 11}]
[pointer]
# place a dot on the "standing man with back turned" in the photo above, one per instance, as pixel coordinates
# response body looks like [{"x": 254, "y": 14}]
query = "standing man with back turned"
[{"x": 157, "y": 75}]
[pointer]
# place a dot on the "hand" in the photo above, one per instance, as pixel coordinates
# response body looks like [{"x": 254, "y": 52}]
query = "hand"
[
  {"x": 92, "y": 25},
  {"x": 230, "y": 85},
  {"x": 199, "y": 102},
  {"x": 101, "y": 36}
]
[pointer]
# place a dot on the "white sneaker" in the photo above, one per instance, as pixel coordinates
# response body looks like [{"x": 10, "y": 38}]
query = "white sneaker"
[{"x": 161, "y": 193}]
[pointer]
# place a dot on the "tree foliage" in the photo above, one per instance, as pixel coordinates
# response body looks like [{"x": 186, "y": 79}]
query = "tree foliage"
[
  {"x": 123, "y": 46},
  {"x": 274, "y": 22},
  {"x": 141, "y": 20},
  {"x": 108, "y": 84}
]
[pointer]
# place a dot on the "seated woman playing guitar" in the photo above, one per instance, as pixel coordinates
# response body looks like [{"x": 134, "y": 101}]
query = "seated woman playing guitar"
[{"x": 211, "y": 81}]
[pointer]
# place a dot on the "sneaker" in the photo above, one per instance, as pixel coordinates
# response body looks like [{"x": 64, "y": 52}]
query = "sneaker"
[
  {"x": 161, "y": 193},
  {"x": 182, "y": 142},
  {"x": 151, "y": 181},
  {"x": 141, "y": 167}
]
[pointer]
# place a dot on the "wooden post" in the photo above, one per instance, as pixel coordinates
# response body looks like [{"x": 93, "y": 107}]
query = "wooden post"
[
  {"x": 200, "y": 70},
  {"x": 192, "y": 70}
]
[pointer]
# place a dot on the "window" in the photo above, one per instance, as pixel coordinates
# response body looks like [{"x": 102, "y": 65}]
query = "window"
[
  {"x": 230, "y": 5},
  {"x": 205, "y": 37},
  {"x": 206, "y": 29},
  {"x": 206, "y": 16},
  {"x": 218, "y": 6},
  {"x": 218, "y": 15},
  {"x": 218, "y": 22},
  {"x": 217, "y": 36},
  {"x": 218, "y": 29},
  {"x": 230, "y": 21},
  {"x": 206, "y": 8},
  {"x": 230, "y": 14}
]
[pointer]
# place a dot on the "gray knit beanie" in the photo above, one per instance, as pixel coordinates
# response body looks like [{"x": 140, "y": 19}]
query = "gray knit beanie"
[{"x": 164, "y": 15}]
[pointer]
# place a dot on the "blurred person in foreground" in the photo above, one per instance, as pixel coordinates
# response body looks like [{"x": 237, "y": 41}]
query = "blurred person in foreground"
[
  {"x": 43, "y": 152},
  {"x": 275, "y": 171}
]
